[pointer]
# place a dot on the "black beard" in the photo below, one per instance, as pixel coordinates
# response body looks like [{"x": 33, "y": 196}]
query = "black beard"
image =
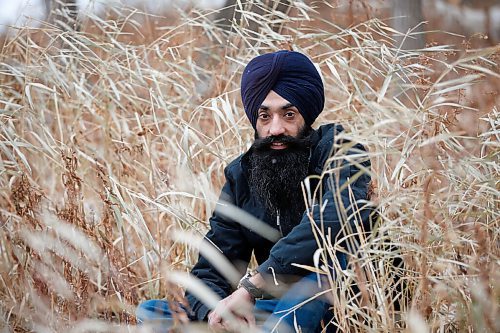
[{"x": 275, "y": 176}]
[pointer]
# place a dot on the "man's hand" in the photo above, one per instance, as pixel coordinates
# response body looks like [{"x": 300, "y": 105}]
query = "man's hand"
[{"x": 238, "y": 305}]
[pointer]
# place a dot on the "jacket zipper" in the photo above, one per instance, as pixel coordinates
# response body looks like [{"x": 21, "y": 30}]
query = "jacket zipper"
[{"x": 278, "y": 222}]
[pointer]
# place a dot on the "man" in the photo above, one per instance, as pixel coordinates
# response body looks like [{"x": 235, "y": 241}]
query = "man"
[{"x": 283, "y": 94}]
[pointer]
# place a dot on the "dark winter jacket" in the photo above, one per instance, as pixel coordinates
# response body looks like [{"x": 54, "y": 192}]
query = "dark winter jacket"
[{"x": 237, "y": 242}]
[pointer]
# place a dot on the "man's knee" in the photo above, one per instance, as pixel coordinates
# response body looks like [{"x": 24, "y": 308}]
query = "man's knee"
[{"x": 153, "y": 309}]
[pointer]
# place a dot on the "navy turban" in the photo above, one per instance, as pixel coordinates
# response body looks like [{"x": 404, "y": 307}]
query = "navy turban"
[{"x": 291, "y": 75}]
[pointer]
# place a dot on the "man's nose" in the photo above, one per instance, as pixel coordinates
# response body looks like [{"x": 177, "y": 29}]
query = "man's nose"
[{"x": 277, "y": 126}]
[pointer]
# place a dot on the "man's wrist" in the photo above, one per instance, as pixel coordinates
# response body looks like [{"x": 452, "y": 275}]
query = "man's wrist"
[
  {"x": 258, "y": 281},
  {"x": 254, "y": 292},
  {"x": 254, "y": 286},
  {"x": 242, "y": 290}
]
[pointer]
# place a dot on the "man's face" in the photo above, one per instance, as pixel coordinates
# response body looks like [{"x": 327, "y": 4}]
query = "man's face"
[
  {"x": 279, "y": 160},
  {"x": 278, "y": 117}
]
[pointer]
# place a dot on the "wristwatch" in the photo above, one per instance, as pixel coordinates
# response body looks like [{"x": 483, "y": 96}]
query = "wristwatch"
[{"x": 255, "y": 292}]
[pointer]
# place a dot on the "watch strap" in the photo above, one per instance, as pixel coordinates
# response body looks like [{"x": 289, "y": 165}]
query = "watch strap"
[{"x": 255, "y": 292}]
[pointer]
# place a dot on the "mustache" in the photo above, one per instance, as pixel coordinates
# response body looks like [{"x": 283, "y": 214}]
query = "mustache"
[{"x": 264, "y": 144}]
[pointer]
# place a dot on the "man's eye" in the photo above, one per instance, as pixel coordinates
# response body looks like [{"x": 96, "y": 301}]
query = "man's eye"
[
  {"x": 290, "y": 114},
  {"x": 263, "y": 116}
]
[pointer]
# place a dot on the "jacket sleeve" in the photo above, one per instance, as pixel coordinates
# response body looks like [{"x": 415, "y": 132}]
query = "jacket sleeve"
[
  {"x": 339, "y": 205},
  {"x": 227, "y": 236}
]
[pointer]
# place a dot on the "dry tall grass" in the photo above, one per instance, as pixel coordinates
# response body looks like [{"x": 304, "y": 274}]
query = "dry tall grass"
[{"x": 115, "y": 137}]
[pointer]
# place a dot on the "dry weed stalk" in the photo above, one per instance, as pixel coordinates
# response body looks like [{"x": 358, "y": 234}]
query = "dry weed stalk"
[{"x": 110, "y": 142}]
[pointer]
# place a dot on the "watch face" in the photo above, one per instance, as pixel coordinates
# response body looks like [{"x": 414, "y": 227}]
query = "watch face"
[{"x": 246, "y": 276}]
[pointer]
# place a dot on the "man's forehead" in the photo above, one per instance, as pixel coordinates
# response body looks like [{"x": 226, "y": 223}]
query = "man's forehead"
[{"x": 274, "y": 98}]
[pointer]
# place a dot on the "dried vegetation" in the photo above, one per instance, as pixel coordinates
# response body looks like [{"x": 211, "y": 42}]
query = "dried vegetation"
[{"x": 115, "y": 137}]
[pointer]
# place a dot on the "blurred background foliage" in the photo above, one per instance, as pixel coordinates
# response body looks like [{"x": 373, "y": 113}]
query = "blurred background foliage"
[{"x": 117, "y": 119}]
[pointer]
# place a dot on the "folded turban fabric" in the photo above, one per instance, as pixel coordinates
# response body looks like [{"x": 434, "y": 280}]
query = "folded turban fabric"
[{"x": 291, "y": 75}]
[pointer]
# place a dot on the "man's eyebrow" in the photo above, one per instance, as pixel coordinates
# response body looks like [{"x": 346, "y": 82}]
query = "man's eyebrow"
[{"x": 264, "y": 107}]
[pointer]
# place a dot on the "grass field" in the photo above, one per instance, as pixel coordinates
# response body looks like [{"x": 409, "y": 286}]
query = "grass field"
[{"x": 113, "y": 141}]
